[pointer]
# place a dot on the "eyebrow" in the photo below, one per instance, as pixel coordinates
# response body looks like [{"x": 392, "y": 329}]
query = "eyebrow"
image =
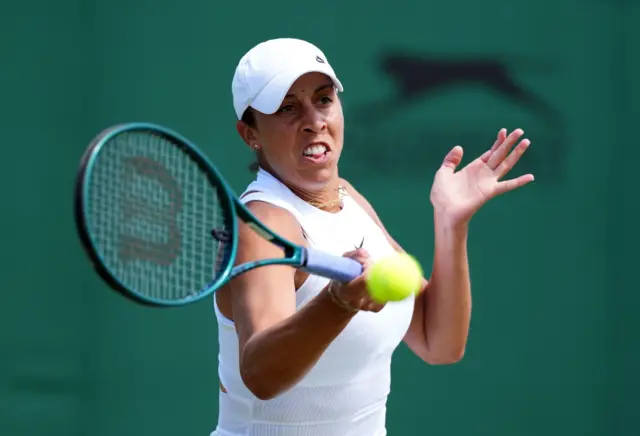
[{"x": 318, "y": 89}]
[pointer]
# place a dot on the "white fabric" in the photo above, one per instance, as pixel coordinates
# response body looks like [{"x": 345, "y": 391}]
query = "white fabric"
[
  {"x": 345, "y": 393},
  {"x": 267, "y": 71}
]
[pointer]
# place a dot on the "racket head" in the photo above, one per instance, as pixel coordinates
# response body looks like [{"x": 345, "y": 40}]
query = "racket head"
[{"x": 146, "y": 203}]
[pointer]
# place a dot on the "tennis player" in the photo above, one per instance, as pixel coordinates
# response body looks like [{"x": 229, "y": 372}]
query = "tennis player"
[{"x": 300, "y": 355}]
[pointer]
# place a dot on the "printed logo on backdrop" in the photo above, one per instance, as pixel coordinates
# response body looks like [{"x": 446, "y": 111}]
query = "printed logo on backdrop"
[{"x": 439, "y": 102}]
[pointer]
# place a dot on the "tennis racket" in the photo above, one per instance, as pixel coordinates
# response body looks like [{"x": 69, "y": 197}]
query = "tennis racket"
[{"x": 160, "y": 224}]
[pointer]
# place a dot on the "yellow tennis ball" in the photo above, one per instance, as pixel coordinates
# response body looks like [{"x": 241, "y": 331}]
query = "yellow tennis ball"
[{"x": 394, "y": 278}]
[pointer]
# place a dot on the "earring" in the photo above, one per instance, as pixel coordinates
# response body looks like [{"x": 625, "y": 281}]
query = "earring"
[{"x": 255, "y": 146}]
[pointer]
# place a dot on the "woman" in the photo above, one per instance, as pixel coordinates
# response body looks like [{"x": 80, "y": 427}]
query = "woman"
[{"x": 300, "y": 355}]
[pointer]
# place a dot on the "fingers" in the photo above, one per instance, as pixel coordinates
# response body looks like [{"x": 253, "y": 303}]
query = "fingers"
[
  {"x": 510, "y": 185},
  {"x": 356, "y": 292},
  {"x": 453, "y": 158},
  {"x": 512, "y": 159},
  {"x": 502, "y": 150},
  {"x": 502, "y": 135},
  {"x": 365, "y": 302},
  {"x": 372, "y": 306},
  {"x": 359, "y": 254}
]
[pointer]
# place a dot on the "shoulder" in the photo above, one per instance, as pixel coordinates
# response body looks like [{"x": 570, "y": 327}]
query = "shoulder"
[
  {"x": 272, "y": 215},
  {"x": 278, "y": 219},
  {"x": 268, "y": 205}
]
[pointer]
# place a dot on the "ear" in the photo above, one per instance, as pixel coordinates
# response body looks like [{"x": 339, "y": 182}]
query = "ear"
[{"x": 247, "y": 133}]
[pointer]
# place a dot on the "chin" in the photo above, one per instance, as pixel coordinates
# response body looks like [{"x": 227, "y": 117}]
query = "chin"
[{"x": 317, "y": 178}]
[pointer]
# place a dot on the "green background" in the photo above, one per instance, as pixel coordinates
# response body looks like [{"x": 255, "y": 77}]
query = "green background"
[{"x": 553, "y": 346}]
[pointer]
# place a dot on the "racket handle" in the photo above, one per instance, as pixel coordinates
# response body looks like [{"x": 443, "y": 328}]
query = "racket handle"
[{"x": 333, "y": 267}]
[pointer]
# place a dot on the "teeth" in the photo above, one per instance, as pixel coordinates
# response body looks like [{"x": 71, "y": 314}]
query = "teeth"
[{"x": 314, "y": 149}]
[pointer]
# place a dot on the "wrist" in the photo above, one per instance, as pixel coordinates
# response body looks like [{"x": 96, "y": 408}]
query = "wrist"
[
  {"x": 450, "y": 224},
  {"x": 338, "y": 300}
]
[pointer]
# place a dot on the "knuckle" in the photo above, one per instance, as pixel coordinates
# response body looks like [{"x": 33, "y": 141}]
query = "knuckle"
[{"x": 362, "y": 252}]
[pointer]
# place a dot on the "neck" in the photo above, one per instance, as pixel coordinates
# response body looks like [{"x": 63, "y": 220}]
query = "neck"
[{"x": 328, "y": 198}]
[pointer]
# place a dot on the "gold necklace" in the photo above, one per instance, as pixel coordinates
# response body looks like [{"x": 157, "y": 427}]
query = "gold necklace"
[{"x": 342, "y": 192}]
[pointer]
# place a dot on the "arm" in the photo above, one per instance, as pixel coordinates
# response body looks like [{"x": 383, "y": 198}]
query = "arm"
[
  {"x": 440, "y": 323},
  {"x": 278, "y": 345},
  {"x": 446, "y": 304}
]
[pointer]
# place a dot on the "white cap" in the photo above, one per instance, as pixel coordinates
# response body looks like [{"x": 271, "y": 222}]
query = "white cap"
[{"x": 265, "y": 74}]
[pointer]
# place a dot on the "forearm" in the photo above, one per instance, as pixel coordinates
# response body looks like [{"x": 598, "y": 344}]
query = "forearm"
[
  {"x": 448, "y": 297},
  {"x": 275, "y": 359}
]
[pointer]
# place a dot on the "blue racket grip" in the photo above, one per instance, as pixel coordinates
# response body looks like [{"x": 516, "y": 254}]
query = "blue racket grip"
[{"x": 333, "y": 267}]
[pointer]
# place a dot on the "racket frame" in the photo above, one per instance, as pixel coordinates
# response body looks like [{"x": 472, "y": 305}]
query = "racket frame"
[{"x": 294, "y": 255}]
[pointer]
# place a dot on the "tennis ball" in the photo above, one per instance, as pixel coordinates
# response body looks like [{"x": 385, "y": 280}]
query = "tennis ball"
[{"x": 394, "y": 278}]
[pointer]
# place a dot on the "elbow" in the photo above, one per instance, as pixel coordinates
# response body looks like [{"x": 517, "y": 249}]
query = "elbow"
[
  {"x": 263, "y": 393},
  {"x": 262, "y": 382},
  {"x": 264, "y": 377},
  {"x": 444, "y": 358},
  {"x": 259, "y": 385}
]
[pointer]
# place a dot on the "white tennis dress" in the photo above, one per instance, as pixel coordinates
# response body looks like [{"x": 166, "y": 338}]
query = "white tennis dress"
[{"x": 345, "y": 393}]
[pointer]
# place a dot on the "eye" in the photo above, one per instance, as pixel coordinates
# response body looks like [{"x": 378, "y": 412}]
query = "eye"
[
  {"x": 286, "y": 108},
  {"x": 326, "y": 99}
]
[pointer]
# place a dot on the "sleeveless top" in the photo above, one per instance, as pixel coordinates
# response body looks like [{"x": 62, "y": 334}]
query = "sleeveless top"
[{"x": 345, "y": 393}]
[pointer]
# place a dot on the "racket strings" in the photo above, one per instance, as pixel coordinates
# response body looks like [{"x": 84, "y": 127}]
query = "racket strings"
[{"x": 152, "y": 209}]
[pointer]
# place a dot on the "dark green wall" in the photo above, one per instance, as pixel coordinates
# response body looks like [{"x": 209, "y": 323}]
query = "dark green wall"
[{"x": 552, "y": 346}]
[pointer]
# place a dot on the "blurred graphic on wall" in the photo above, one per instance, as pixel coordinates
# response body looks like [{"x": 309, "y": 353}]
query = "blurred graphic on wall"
[{"x": 484, "y": 93}]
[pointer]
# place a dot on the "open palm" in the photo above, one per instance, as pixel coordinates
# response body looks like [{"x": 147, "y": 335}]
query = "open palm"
[{"x": 460, "y": 194}]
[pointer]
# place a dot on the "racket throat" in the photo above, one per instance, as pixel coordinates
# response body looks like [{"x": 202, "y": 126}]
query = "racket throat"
[{"x": 221, "y": 235}]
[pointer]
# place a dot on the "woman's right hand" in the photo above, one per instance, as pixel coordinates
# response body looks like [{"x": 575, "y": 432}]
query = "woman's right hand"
[{"x": 354, "y": 295}]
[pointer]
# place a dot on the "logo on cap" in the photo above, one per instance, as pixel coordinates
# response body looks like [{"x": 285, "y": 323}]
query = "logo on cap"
[{"x": 319, "y": 59}]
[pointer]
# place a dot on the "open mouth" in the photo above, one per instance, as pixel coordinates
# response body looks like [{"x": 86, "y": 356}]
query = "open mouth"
[{"x": 316, "y": 153}]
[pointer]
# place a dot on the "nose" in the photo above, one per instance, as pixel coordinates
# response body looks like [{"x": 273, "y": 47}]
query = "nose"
[{"x": 314, "y": 120}]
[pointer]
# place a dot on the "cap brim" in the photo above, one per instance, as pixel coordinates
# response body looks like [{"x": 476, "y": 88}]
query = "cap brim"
[{"x": 270, "y": 98}]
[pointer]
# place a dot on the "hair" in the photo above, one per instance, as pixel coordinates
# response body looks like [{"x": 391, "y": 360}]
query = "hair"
[{"x": 249, "y": 118}]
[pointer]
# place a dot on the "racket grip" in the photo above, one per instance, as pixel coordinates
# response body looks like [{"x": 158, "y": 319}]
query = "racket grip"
[{"x": 333, "y": 267}]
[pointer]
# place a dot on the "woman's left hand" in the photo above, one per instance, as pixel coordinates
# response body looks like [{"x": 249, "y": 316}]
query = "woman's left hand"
[{"x": 460, "y": 194}]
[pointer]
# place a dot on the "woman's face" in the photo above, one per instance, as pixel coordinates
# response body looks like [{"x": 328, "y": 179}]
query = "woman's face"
[{"x": 302, "y": 141}]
